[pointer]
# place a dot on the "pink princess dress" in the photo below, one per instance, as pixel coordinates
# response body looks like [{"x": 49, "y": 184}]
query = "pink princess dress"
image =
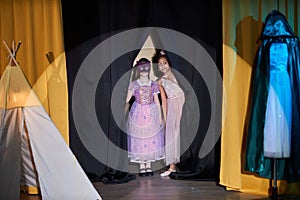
[
  {"x": 175, "y": 101},
  {"x": 145, "y": 132}
]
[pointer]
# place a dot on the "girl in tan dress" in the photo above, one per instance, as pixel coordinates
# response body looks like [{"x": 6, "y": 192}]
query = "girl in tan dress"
[{"x": 172, "y": 102}]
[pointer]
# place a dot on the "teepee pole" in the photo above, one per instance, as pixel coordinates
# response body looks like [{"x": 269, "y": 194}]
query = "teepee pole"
[
  {"x": 13, "y": 54},
  {"x": 16, "y": 50}
]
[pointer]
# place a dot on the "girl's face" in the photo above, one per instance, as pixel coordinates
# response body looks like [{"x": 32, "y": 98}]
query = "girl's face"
[
  {"x": 144, "y": 70},
  {"x": 144, "y": 73},
  {"x": 163, "y": 64}
]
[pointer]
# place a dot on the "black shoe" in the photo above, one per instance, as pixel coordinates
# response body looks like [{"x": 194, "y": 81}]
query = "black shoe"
[
  {"x": 142, "y": 172},
  {"x": 149, "y": 172}
]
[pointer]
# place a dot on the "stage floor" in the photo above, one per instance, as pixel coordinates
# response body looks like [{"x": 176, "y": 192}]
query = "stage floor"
[{"x": 164, "y": 188}]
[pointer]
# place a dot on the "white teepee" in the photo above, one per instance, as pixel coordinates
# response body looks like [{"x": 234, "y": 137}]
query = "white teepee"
[{"x": 32, "y": 150}]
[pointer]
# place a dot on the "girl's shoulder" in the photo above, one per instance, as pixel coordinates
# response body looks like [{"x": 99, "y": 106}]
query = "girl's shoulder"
[
  {"x": 133, "y": 85},
  {"x": 135, "y": 82},
  {"x": 156, "y": 83},
  {"x": 159, "y": 81}
]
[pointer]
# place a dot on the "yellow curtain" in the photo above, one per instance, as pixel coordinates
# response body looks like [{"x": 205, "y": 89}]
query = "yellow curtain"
[
  {"x": 242, "y": 25},
  {"x": 38, "y": 25}
]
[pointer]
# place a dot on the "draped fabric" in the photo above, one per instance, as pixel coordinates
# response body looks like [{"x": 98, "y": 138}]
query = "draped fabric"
[
  {"x": 38, "y": 25},
  {"x": 242, "y": 26},
  {"x": 263, "y": 82},
  {"x": 89, "y": 26}
]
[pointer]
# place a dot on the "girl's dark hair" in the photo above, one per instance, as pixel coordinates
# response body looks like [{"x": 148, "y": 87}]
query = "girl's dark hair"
[
  {"x": 142, "y": 61},
  {"x": 159, "y": 53}
]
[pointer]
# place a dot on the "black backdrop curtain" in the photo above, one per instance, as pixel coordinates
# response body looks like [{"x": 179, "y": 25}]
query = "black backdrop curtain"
[{"x": 87, "y": 24}]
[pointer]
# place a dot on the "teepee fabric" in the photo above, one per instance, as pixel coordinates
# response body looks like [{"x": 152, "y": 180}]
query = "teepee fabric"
[{"x": 32, "y": 150}]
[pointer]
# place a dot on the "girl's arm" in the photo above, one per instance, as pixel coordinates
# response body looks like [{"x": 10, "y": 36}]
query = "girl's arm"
[
  {"x": 156, "y": 100},
  {"x": 129, "y": 95},
  {"x": 163, "y": 100}
]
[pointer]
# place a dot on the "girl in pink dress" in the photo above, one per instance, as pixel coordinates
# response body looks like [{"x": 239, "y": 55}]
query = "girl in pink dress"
[
  {"x": 172, "y": 103},
  {"x": 145, "y": 127}
]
